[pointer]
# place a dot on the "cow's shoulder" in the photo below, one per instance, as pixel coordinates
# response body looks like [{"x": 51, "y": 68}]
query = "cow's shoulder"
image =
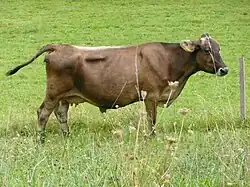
[{"x": 148, "y": 49}]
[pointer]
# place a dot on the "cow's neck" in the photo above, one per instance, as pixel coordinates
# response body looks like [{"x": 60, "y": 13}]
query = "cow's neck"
[{"x": 182, "y": 65}]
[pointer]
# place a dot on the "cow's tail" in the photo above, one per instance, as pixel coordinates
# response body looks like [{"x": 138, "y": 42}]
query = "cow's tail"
[{"x": 46, "y": 48}]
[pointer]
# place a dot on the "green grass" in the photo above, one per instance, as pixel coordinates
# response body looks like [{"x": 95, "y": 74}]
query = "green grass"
[{"x": 101, "y": 151}]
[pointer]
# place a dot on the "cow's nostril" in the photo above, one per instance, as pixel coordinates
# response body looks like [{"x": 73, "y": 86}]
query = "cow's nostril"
[{"x": 223, "y": 71}]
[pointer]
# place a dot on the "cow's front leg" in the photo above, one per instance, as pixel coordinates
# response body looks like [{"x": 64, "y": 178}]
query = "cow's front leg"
[
  {"x": 61, "y": 113},
  {"x": 43, "y": 114},
  {"x": 151, "y": 109}
]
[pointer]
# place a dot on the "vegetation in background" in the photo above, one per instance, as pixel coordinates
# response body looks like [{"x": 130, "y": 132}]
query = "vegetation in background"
[{"x": 208, "y": 146}]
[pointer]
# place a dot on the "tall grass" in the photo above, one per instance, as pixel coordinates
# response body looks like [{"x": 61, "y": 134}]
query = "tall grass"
[{"x": 208, "y": 146}]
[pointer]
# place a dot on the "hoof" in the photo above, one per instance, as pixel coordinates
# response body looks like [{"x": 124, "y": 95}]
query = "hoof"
[
  {"x": 40, "y": 137},
  {"x": 152, "y": 133},
  {"x": 40, "y": 140},
  {"x": 65, "y": 134}
]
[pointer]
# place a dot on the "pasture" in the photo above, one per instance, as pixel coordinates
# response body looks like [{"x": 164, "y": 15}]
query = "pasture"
[{"x": 208, "y": 146}]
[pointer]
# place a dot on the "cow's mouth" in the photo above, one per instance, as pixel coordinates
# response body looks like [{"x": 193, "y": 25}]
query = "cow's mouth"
[{"x": 222, "y": 71}]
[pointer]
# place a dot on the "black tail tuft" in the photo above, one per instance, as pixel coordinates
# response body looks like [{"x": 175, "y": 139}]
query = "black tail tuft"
[
  {"x": 13, "y": 71},
  {"x": 46, "y": 48}
]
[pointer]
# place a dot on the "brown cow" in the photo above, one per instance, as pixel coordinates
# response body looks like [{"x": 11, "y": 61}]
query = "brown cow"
[{"x": 111, "y": 76}]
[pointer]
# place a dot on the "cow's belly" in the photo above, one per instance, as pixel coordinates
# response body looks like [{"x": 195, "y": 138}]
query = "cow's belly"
[
  {"x": 75, "y": 97},
  {"x": 100, "y": 99},
  {"x": 74, "y": 100},
  {"x": 111, "y": 101},
  {"x": 110, "y": 94}
]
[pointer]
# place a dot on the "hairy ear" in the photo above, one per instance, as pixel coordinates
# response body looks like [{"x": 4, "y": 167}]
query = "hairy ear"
[
  {"x": 188, "y": 45},
  {"x": 205, "y": 35},
  {"x": 205, "y": 42}
]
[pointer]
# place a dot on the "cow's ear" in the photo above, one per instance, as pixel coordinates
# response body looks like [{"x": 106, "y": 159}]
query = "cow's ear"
[{"x": 188, "y": 45}]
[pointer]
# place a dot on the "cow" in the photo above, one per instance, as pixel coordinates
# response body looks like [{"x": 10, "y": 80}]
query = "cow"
[{"x": 111, "y": 77}]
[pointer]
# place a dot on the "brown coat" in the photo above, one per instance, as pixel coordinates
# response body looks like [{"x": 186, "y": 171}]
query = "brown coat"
[{"x": 111, "y": 77}]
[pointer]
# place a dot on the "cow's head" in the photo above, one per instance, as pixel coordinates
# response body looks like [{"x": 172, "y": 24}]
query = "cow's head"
[{"x": 208, "y": 56}]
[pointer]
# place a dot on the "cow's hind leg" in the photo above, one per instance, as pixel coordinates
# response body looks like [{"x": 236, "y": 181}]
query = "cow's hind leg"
[
  {"x": 61, "y": 113},
  {"x": 43, "y": 114},
  {"x": 151, "y": 109}
]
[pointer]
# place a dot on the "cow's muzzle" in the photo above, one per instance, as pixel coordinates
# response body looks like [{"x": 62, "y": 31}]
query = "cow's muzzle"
[{"x": 222, "y": 71}]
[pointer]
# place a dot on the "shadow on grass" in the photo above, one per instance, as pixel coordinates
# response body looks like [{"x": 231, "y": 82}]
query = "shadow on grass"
[{"x": 105, "y": 124}]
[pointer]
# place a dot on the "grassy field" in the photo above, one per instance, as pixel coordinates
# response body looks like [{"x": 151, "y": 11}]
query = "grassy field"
[{"x": 208, "y": 146}]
